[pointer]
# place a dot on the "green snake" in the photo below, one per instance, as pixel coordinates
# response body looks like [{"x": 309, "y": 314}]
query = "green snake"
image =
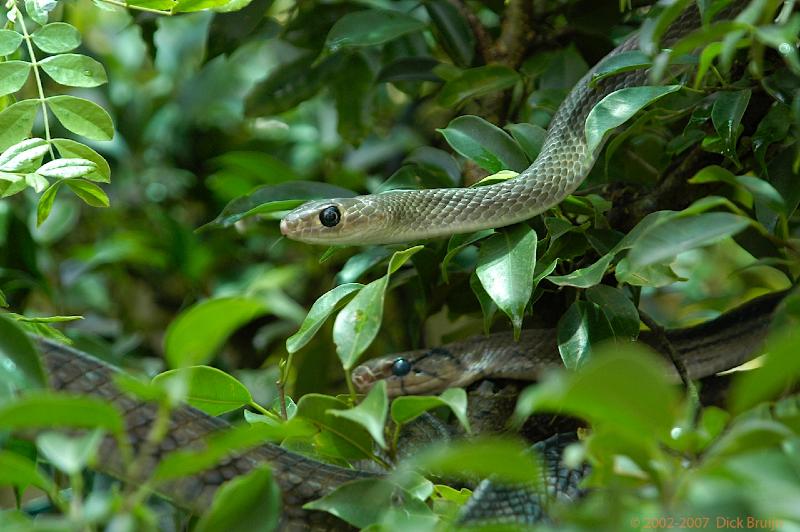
[{"x": 563, "y": 163}]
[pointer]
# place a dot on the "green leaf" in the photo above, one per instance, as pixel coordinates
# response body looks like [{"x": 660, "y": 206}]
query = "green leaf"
[
  {"x": 74, "y": 70},
  {"x": 70, "y": 149},
  {"x": 616, "y": 108},
  {"x": 70, "y": 454},
  {"x": 726, "y": 114},
  {"x": 66, "y": 168},
  {"x": 476, "y": 82},
  {"x": 208, "y": 389},
  {"x": 581, "y": 327},
  {"x": 20, "y": 366},
  {"x": 357, "y": 324},
  {"x": 197, "y": 333},
  {"x": 409, "y": 407},
  {"x": 617, "y": 308},
  {"x": 664, "y": 241},
  {"x": 45, "y": 204},
  {"x": 622, "y": 387},
  {"x": 505, "y": 268},
  {"x": 530, "y": 137},
  {"x": 13, "y": 75},
  {"x": 320, "y": 311},
  {"x": 9, "y": 41},
  {"x": 453, "y": 31},
  {"x": 781, "y": 369},
  {"x": 370, "y": 413},
  {"x": 339, "y": 437},
  {"x": 56, "y": 38},
  {"x": 82, "y": 117},
  {"x": 49, "y": 409},
  {"x": 502, "y": 459},
  {"x": 272, "y": 198},
  {"x": 90, "y": 193},
  {"x": 487, "y": 145},
  {"x": 16, "y": 122},
  {"x": 759, "y": 188},
  {"x": 251, "y": 503},
  {"x": 362, "y": 502},
  {"x": 617, "y": 63},
  {"x": 773, "y": 128},
  {"x": 20, "y": 472},
  {"x": 370, "y": 27},
  {"x": 23, "y": 154},
  {"x": 457, "y": 243},
  {"x": 351, "y": 90}
]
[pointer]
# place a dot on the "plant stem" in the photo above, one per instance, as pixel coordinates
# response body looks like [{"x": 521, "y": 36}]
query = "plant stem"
[
  {"x": 25, "y": 35},
  {"x": 138, "y": 8}
]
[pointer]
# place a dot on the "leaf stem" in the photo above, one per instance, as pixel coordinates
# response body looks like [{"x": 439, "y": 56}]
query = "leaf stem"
[
  {"x": 27, "y": 37},
  {"x": 126, "y": 5}
]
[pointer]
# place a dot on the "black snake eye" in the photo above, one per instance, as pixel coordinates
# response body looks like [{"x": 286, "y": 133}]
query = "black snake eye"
[
  {"x": 330, "y": 216},
  {"x": 401, "y": 367}
]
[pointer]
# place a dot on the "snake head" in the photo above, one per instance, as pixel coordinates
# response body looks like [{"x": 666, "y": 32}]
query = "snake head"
[
  {"x": 421, "y": 372},
  {"x": 334, "y": 221}
]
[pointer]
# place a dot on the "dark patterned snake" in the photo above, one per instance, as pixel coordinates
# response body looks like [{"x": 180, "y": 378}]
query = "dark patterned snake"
[
  {"x": 563, "y": 163},
  {"x": 717, "y": 345}
]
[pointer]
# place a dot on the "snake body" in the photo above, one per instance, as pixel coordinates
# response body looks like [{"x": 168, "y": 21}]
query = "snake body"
[
  {"x": 563, "y": 163},
  {"x": 704, "y": 350}
]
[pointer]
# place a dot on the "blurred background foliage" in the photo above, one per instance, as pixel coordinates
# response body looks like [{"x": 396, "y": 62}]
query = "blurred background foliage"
[{"x": 209, "y": 106}]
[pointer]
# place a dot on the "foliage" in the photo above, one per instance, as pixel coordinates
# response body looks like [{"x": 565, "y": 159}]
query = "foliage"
[{"x": 231, "y": 113}]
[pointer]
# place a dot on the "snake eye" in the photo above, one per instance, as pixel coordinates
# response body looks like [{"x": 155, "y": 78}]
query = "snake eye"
[
  {"x": 330, "y": 216},
  {"x": 401, "y": 367}
]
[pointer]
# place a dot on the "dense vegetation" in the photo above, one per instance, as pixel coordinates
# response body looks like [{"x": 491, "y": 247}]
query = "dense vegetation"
[{"x": 148, "y": 148}]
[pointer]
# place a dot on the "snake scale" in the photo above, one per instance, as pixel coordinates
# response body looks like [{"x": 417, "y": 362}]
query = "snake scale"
[{"x": 396, "y": 216}]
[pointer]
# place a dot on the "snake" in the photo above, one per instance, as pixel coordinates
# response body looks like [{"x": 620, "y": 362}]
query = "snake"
[
  {"x": 563, "y": 163},
  {"x": 705, "y": 349},
  {"x": 392, "y": 217}
]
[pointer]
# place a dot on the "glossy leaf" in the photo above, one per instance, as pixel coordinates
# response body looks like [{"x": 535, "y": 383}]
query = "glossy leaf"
[
  {"x": 45, "y": 204},
  {"x": 339, "y": 437},
  {"x": 357, "y": 324},
  {"x": 580, "y": 329},
  {"x": 20, "y": 365},
  {"x": 208, "y": 389},
  {"x": 370, "y": 413},
  {"x": 619, "y": 63},
  {"x": 250, "y": 502},
  {"x": 617, "y": 308},
  {"x": 664, "y": 241},
  {"x": 70, "y": 454},
  {"x": 90, "y": 193},
  {"x": 457, "y": 244},
  {"x": 69, "y": 149},
  {"x": 453, "y": 31},
  {"x": 726, "y": 115},
  {"x": 760, "y": 189},
  {"x": 56, "y": 38},
  {"x": 530, "y": 137},
  {"x": 370, "y": 27},
  {"x": 476, "y": 82},
  {"x": 198, "y": 332},
  {"x": 13, "y": 75},
  {"x": 319, "y": 312},
  {"x": 505, "y": 268},
  {"x": 409, "y": 407},
  {"x": 487, "y": 145},
  {"x": 82, "y": 117},
  {"x": 616, "y": 108}
]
